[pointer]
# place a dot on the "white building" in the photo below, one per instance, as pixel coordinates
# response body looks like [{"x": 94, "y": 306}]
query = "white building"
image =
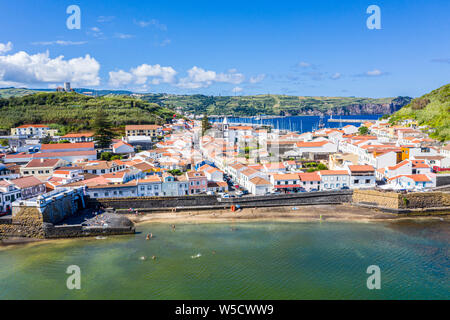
[
  {"x": 334, "y": 179},
  {"x": 150, "y": 186},
  {"x": 362, "y": 177},
  {"x": 8, "y": 194}
]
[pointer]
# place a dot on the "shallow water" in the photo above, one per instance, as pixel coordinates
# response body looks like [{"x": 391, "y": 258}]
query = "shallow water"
[{"x": 260, "y": 260}]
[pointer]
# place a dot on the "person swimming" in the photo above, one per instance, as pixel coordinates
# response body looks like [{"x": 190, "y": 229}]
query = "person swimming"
[{"x": 148, "y": 237}]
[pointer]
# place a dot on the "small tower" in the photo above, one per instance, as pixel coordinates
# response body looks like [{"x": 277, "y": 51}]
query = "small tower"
[{"x": 225, "y": 128}]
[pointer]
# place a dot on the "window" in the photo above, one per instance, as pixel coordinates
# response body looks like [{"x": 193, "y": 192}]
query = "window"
[
  {"x": 95, "y": 195},
  {"x": 367, "y": 180},
  {"x": 106, "y": 194},
  {"x": 356, "y": 181}
]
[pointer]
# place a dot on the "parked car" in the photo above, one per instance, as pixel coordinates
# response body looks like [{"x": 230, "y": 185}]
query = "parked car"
[
  {"x": 345, "y": 188},
  {"x": 225, "y": 196},
  {"x": 210, "y": 193}
]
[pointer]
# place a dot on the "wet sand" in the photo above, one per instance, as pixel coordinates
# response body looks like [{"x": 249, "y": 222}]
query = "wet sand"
[{"x": 340, "y": 213}]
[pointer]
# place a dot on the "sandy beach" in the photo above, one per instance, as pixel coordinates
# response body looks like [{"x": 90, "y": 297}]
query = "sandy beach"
[{"x": 340, "y": 213}]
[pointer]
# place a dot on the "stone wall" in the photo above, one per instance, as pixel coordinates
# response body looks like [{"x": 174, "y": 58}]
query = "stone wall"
[
  {"x": 154, "y": 202},
  {"x": 377, "y": 198},
  {"x": 442, "y": 180},
  {"x": 307, "y": 198},
  {"x": 26, "y": 222},
  {"x": 75, "y": 231},
  {"x": 393, "y": 200}
]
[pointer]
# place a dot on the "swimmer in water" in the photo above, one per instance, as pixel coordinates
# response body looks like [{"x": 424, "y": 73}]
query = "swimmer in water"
[
  {"x": 153, "y": 257},
  {"x": 148, "y": 237}
]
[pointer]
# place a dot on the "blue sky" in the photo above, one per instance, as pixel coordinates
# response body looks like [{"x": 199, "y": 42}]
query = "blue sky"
[{"x": 315, "y": 48}]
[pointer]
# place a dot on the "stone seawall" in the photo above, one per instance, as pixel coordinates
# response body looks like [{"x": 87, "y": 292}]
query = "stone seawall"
[
  {"x": 75, "y": 231},
  {"x": 211, "y": 202},
  {"x": 26, "y": 223},
  {"x": 299, "y": 199},
  {"x": 154, "y": 202},
  {"x": 442, "y": 180},
  {"x": 393, "y": 200}
]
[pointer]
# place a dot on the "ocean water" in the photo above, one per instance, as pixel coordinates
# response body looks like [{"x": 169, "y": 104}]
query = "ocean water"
[
  {"x": 262, "y": 260},
  {"x": 300, "y": 123}
]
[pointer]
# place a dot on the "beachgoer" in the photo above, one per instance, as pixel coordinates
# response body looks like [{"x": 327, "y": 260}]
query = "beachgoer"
[{"x": 148, "y": 237}]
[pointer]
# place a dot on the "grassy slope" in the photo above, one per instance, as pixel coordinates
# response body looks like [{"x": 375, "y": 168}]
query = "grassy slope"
[
  {"x": 72, "y": 111},
  {"x": 13, "y": 92},
  {"x": 432, "y": 109}
]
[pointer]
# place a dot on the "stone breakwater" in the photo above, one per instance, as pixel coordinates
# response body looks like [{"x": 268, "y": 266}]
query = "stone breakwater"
[
  {"x": 29, "y": 223},
  {"x": 397, "y": 201}
]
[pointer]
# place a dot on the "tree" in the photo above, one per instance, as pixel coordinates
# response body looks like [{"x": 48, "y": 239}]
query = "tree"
[
  {"x": 4, "y": 142},
  {"x": 175, "y": 172},
  {"x": 205, "y": 124},
  {"x": 363, "y": 130},
  {"x": 47, "y": 139},
  {"x": 102, "y": 129},
  {"x": 106, "y": 156}
]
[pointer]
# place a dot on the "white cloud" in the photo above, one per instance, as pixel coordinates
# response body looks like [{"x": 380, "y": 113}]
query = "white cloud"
[
  {"x": 304, "y": 64},
  {"x": 103, "y": 19},
  {"x": 5, "y": 47},
  {"x": 123, "y": 36},
  {"x": 237, "y": 89},
  {"x": 153, "y": 22},
  {"x": 374, "y": 72},
  {"x": 120, "y": 78},
  {"x": 336, "y": 76},
  {"x": 141, "y": 75},
  {"x": 201, "y": 78},
  {"x": 22, "y": 68},
  {"x": 59, "y": 42},
  {"x": 95, "y": 32},
  {"x": 258, "y": 78}
]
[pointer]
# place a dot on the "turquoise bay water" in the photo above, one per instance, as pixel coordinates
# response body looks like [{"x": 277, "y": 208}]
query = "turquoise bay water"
[{"x": 261, "y": 260}]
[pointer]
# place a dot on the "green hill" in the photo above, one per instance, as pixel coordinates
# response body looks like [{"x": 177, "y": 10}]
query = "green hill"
[
  {"x": 432, "y": 110},
  {"x": 74, "y": 112},
  {"x": 15, "y": 92},
  {"x": 277, "y": 104}
]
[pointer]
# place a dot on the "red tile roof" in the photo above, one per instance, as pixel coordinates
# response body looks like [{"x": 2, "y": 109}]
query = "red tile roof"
[
  {"x": 358, "y": 168},
  {"x": 67, "y": 146}
]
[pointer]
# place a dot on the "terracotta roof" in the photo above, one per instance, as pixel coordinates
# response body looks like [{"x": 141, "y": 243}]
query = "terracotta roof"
[
  {"x": 311, "y": 144},
  {"x": 309, "y": 176},
  {"x": 122, "y": 143},
  {"x": 143, "y": 127},
  {"x": 79, "y": 135},
  {"x": 42, "y": 163},
  {"x": 150, "y": 179},
  {"x": 27, "y": 182},
  {"x": 285, "y": 176},
  {"x": 358, "y": 168},
  {"x": 67, "y": 146},
  {"x": 415, "y": 177},
  {"x": 260, "y": 181},
  {"x": 33, "y": 126},
  {"x": 333, "y": 172},
  {"x": 399, "y": 165}
]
